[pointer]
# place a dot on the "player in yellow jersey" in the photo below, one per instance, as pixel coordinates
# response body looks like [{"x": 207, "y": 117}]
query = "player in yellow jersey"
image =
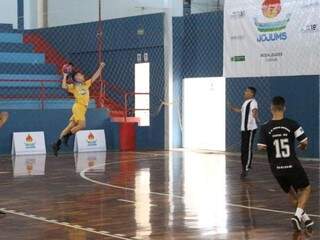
[{"x": 80, "y": 90}]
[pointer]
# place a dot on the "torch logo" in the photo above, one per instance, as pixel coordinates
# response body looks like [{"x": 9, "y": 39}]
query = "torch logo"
[
  {"x": 29, "y": 142},
  {"x": 91, "y": 140}
]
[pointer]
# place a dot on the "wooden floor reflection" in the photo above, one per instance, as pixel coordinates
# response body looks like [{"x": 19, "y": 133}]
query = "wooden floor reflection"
[{"x": 149, "y": 195}]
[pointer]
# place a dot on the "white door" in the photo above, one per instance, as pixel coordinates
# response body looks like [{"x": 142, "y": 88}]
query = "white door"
[{"x": 204, "y": 111}]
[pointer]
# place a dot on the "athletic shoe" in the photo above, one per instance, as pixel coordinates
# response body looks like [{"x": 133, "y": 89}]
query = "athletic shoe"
[
  {"x": 308, "y": 224},
  {"x": 2, "y": 214},
  {"x": 298, "y": 236},
  {"x": 244, "y": 174},
  {"x": 296, "y": 223},
  {"x": 308, "y": 233},
  {"x": 55, "y": 149}
]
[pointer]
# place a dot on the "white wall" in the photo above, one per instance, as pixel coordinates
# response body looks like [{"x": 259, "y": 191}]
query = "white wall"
[
  {"x": 8, "y": 12},
  {"x": 30, "y": 14},
  {"x": 9, "y": 9},
  {"x": 62, "y": 12},
  {"x": 201, "y": 6}
]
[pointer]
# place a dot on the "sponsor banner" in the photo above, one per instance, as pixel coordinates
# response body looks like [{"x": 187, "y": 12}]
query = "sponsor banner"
[
  {"x": 28, "y": 143},
  {"x": 271, "y": 38},
  {"x": 28, "y": 165},
  {"x": 90, "y": 141}
]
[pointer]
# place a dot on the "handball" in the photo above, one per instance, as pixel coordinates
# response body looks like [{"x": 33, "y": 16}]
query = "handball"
[{"x": 67, "y": 68}]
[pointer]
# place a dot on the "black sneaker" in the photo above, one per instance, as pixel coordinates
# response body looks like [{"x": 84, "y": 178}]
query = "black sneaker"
[
  {"x": 55, "y": 149},
  {"x": 308, "y": 233},
  {"x": 243, "y": 174},
  {"x": 308, "y": 224},
  {"x": 296, "y": 223},
  {"x": 2, "y": 214}
]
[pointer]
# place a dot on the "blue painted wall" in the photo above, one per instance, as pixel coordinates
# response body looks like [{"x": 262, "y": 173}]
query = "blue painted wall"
[
  {"x": 78, "y": 43},
  {"x": 198, "y": 46},
  {"x": 36, "y": 120},
  {"x": 203, "y": 38},
  {"x": 197, "y": 52}
]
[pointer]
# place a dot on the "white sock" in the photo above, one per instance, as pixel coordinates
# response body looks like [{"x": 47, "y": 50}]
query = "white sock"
[
  {"x": 299, "y": 213},
  {"x": 305, "y": 217}
]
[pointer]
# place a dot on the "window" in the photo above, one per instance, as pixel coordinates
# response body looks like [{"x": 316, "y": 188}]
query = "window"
[{"x": 142, "y": 90}]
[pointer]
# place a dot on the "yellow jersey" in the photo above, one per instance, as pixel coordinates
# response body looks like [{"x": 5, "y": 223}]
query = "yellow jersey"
[{"x": 80, "y": 92}]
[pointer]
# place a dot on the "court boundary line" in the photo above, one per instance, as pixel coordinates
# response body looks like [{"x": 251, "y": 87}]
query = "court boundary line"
[
  {"x": 134, "y": 202},
  {"x": 76, "y": 226},
  {"x": 259, "y": 156},
  {"x": 64, "y": 224},
  {"x": 83, "y": 176}
]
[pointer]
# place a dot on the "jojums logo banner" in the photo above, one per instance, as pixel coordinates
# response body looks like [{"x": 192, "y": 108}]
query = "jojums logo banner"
[{"x": 271, "y": 37}]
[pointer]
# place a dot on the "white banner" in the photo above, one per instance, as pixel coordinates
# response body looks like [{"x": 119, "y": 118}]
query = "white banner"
[
  {"x": 90, "y": 141},
  {"x": 28, "y": 143},
  {"x": 28, "y": 165},
  {"x": 271, "y": 38}
]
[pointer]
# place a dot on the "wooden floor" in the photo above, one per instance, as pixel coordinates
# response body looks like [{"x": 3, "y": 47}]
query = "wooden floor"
[{"x": 150, "y": 195}]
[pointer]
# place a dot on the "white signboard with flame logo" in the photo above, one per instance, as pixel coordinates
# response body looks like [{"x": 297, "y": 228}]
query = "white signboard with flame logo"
[
  {"x": 271, "y": 38},
  {"x": 90, "y": 141},
  {"x": 28, "y": 143}
]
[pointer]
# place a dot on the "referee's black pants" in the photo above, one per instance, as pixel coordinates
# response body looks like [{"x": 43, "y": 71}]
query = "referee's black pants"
[{"x": 247, "y": 138}]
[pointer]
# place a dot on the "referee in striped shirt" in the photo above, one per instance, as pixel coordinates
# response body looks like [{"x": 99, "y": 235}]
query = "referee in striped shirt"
[{"x": 249, "y": 119}]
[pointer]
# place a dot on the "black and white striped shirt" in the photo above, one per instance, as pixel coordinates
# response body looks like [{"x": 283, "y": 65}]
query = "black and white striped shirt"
[{"x": 248, "y": 122}]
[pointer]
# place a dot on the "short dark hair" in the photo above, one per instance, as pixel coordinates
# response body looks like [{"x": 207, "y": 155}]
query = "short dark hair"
[
  {"x": 73, "y": 74},
  {"x": 253, "y": 90},
  {"x": 279, "y": 103}
]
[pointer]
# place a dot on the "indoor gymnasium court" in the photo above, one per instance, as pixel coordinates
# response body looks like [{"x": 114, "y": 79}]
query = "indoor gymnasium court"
[{"x": 159, "y": 119}]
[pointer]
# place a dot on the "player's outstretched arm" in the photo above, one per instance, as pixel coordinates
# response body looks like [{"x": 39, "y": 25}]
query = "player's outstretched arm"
[
  {"x": 232, "y": 108},
  {"x": 262, "y": 147},
  {"x": 303, "y": 145},
  {"x": 300, "y": 136},
  {"x": 235, "y": 109},
  {"x": 3, "y": 118},
  {"x": 98, "y": 72}
]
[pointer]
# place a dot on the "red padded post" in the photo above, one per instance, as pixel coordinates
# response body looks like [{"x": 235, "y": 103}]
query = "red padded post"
[{"x": 127, "y": 133}]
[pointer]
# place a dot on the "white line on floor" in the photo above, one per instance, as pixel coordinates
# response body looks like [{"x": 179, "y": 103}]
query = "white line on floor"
[
  {"x": 83, "y": 175},
  {"x": 136, "y": 203},
  {"x": 65, "y": 224},
  {"x": 126, "y": 201}
]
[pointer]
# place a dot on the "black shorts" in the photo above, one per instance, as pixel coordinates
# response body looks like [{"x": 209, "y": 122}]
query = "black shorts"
[{"x": 297, "y": 178}]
